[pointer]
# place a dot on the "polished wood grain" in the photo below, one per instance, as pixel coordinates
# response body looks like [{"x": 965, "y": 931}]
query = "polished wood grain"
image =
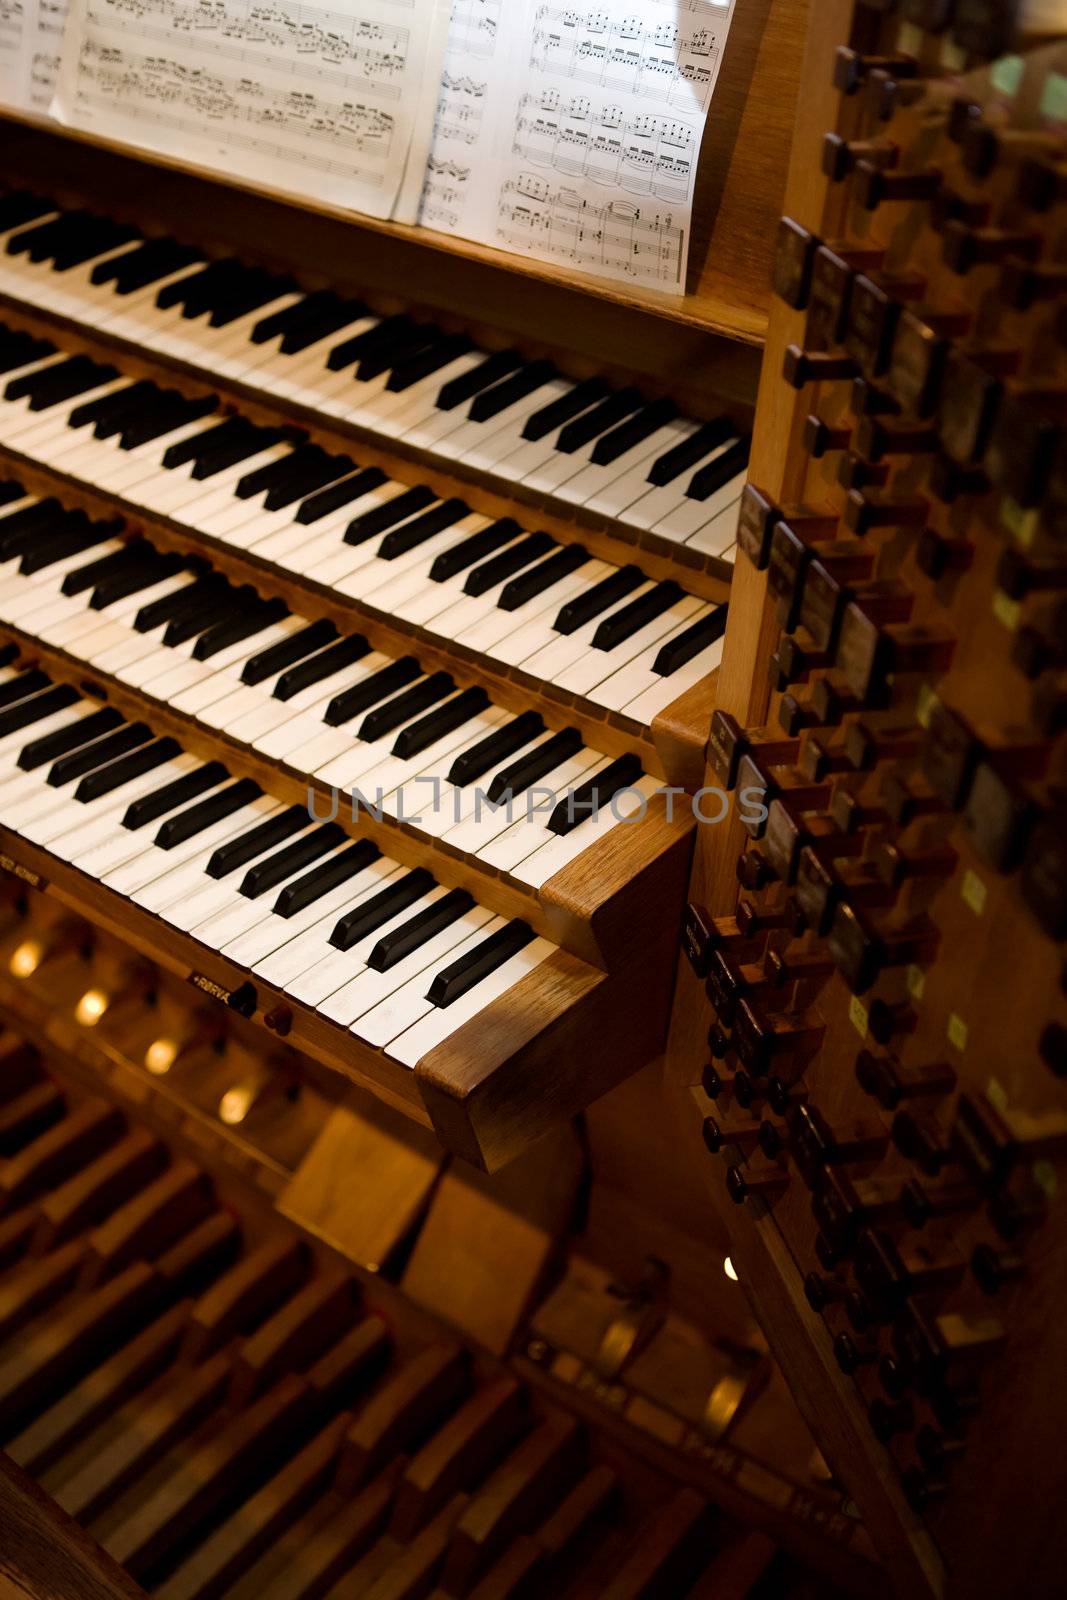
[{"x": 46, "y": 1556}]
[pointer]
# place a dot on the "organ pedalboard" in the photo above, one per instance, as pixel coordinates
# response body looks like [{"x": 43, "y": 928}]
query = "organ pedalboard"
[{"x": 401, "y": 656}]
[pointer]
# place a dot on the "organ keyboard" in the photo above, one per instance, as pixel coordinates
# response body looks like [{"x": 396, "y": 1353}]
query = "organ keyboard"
[{"x": 389, "y": 631}]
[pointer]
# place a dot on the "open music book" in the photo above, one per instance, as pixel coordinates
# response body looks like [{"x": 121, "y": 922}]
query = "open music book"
[{"x": 565, "y": 135}]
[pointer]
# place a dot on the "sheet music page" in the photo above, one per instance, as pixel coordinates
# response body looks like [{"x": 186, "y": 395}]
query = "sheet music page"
[
  {"x": 15, "y": 24},
  {"x": 31, "y": 38},
  {"x": 320, "y": 101},
  {"x": 571, "y": 134}
]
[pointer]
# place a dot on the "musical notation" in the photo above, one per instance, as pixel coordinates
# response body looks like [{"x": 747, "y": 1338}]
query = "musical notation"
[
  {"x": 322, "y": 99},
  {"x": 578, "y": 140},
  {"x": 460, "y": 109},
  {"x": 674, "y": 63},
  {"x": 617, "y": 238},
  {"x": 12, "y": 17},
  {"x": 177, "y": 96},
  {"x": 31, "y": 33},
  {"x": 474, "y": 27},
  {"x": 565, "y": 132},
  {"x": 302, "y": 41},
  {"x": 606, "y": 144}
]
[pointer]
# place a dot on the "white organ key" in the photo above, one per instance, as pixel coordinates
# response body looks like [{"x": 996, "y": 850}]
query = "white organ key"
[
  {"x": 435, "y": 1027},
  {"x": 361, "y": 1004}
]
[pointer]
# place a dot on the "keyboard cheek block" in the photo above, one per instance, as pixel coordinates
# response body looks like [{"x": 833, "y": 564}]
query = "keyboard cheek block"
[{"x": 543, "y": 1047}]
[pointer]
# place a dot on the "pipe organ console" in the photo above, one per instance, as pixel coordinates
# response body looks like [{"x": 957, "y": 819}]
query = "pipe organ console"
[{"x": 532, "y": 876}]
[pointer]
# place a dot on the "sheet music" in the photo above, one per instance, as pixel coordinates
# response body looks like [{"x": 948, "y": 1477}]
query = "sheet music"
[
  {"x": 572, "y": 134},
  {"x": 320, "y": 100},
  {"x": 31, "y": 38}
]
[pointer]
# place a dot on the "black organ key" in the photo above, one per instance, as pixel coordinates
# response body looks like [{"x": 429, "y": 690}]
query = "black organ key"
[
  {"x": 120, "y": 585},
  {"x": 36, "y": 242},
  {"x": 584, "y": 607},
  {"x": 272, "y": 661},
  {"x": 409, "y": 341},
  {"x": 455, "y": 980},
  {"x": 23, "y": 531},
  {"x": 18, "y": 544},
  {"x": 359, "y": 696},
  {"x": 557, "y": 413},
  {"x": 20, "y": 207},
  {"x": 149, "y": 807},
  {"x": 680, "y": 457},
  {"x": 516, "y": 778},
  {"x": 169, "y": 606},
  {"x": 415, "y": 532},
  {"x": 50, "y": 746},
  {"x": 20, "y": 688},
  {"x": 32, "y": 709},
  {"x": 384, "y": 718},
  {"x": 71, "y": 239},
  {"x": 176, "y": 455},
  {"x": 689, "y": 643},
  {"x": 194, "y": 290},
  {"x": 535, "y": 580},
  {"x": 401, "y": 942},
  {"x": 413, "y": 368},
  {"x": 323, "y": 879},
  {"x": 174, "y": 410},
  {"x": 262, "y": 836},
  {"x": 107, "y": 406},
  {"x": 382, "y": 517},
  {"x": 247, "y": 442},
  {"x": 141, "y": 568},
  {"x": 593, "y": 795},
  {"x": 30, "y": 520},
  {"x": 79, "y": 535},
  {"x": 18, "y": 349},
  {"x": 494, "y": 748},
  {"x": 340, "y": 494},
  {"x": 309, "y": 470},
  {"x": 267, "y": 476},
  {"x": 152, "y": 260},
  {"x": 335, "y": 657},
  {"x": 256, "y": 288},
  {"x": 474, "y": 548},
  {"x": 267, "y": 874},
  {"x": 393, "y": 339},
  {"x": 327, "y": 320},
  {"x": 598, "y": 419},
  {"x": 490, "y": 402},
  {"x": 388, "y": 902},
  {"x": 501, "y": 567},
  {"x": 197, "y": 611},
  {"x": 457, "y": 390},
  {"x": 224, "y": 634},
  {"x": 625, "y": 435},
  {"x": 622, "y": 624},
  {"x": 104, "y": 780},
  {"x": 717, "y": 473},
  {"x": 453, "y": 714},
  {"x": 206, "y": 813},
  {"x": 9, "y": 491},
  {"x": 113, "y": 746},
  {"x": 58, "y": 383},
  {"x": 312, "y": 318},
  {"x": 387, "y": 334}
]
